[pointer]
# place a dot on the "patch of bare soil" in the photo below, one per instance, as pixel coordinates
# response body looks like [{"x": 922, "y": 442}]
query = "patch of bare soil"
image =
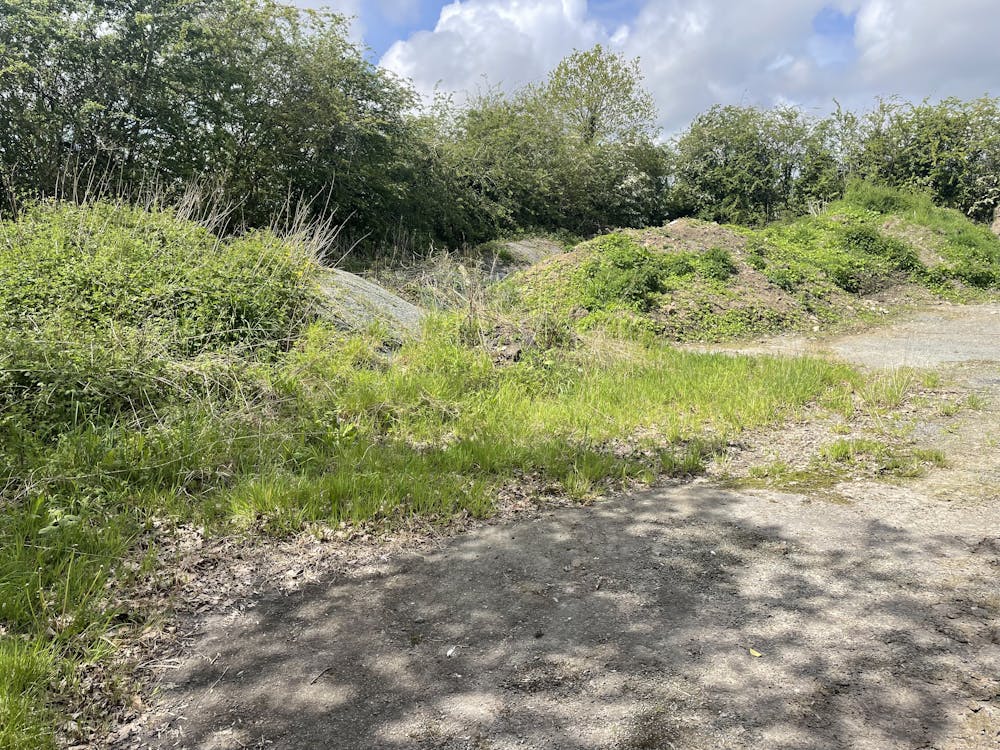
[{"x": 684, "y": 616}]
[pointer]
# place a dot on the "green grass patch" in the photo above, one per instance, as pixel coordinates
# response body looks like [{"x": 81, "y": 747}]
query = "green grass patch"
[
  {"x": 25, "y": 671},
  {"x": 615, "y": 284},
  {"x": 969, "y": 252},
  {"x": 843, "y": 247}
]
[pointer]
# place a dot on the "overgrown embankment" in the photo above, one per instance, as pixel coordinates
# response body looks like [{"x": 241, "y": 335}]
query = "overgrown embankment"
[
  {"x": 153, "y": 374},
  {"x": 693, "y": 280}
]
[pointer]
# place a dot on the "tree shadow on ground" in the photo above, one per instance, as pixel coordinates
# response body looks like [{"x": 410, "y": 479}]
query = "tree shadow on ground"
[{"x": 684, "y": 617}]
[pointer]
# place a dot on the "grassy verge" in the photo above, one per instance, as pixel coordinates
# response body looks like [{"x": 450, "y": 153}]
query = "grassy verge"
[
  {"x": 108, "y": 446},
  {"x": 339, "y": 431}
]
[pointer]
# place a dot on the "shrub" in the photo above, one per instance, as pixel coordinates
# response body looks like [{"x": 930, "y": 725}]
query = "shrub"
[
  {"x": 108, "y": 311},
  {"x": 878, "y": 198},
  {"x": 621, "y": 274},
  {"x": 868, "y": 241}
]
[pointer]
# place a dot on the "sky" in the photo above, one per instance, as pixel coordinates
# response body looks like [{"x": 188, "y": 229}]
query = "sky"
[{"x": 696, "y": 53}]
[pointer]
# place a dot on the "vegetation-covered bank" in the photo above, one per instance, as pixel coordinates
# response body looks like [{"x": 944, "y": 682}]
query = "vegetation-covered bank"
[
  {"x": 152, "y": 374},
  {"x": 695, "y": 280}
]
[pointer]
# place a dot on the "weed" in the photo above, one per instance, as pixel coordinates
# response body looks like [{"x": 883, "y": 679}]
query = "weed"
[
  {"x": 773, "y": 470},
  {"x": 716, "y": 263},
  {"x": 25, "y": 669},
  {"x": 930, "y": 379},
  {"x": 974, "y": 402},
  {"x": 886, "y": 391}
]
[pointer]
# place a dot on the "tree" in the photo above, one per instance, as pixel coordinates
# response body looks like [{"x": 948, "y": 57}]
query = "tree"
[
  {"x": 951, "y": 148},
  {"x": 599, "y": 97},
  {"x": 531, "y": 166},
  {"x": 268, "y": 104},
  {"x": 748, "y": 165}
]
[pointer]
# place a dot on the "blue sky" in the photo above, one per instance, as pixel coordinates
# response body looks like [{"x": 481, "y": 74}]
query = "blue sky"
[{"x": 695, "y": 53}]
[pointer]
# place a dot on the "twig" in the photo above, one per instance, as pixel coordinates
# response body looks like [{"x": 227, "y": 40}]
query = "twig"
[{"x": 314, "y": 679}]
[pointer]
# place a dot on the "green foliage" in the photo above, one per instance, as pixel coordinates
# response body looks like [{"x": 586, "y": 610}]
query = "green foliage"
[
  {"x": 748, "y": 166},
  {"x": 842, "y": 246},
  {"x": 951, "y": 149},
  {"x": 620, "y": 273},
  {"x": 108, "y": 311},
  {"x": 281, "y": 109},
  {"x": 881, "y": 199},
  {"x": 273, "y": 103},
  {"x": 25, "y": 669},
  {"x": 570, "y": 154},
  {"x": 600, "y": 98},
  {"x": 970, "y": 252},
  {"x": 716, "y": 263},
  {"x": 96, "y": 266}
]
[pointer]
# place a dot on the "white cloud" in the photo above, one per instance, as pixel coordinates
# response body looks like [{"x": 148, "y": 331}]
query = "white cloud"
[
  {"x": 696, "y": 53},
  {"x": 511, "y": 42},
  {"x": 915, "y": 48}
]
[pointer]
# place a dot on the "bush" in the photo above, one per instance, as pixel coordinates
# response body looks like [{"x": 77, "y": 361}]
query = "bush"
[
  {"x": 108, "y": 311},
  {"x": 878, "y": 198},
  {"x": 869, "y": 242},
  {"x": 716, "y": 263}
]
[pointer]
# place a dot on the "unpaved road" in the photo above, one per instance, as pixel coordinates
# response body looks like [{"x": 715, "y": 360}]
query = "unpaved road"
[{"x": 685, "y": 616}]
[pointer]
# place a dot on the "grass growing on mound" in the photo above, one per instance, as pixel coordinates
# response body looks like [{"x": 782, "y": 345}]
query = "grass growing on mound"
[
  {"x": 99, "y": 266},
  {"x": 112, "y": 434},
  {"x": 616, "y": 284},
  {"x": 676, "y": 282},
  {"x": 108, "y": 310},
  {"x": 840, "y": 247},
  {"x": 877, "y": 235},
  {"x": 970, "y": 252}
]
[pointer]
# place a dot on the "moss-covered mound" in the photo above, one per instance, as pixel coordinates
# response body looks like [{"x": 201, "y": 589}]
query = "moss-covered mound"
[{"x": 693, "y": 280}]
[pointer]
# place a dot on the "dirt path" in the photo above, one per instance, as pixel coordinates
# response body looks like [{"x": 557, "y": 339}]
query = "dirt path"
[{"x": 686, "y": 616}]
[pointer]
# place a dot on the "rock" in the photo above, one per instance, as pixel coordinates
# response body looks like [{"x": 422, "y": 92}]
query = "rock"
[
  {"x": 531, "y": 250},
  {"x": 353, "y": 303}
]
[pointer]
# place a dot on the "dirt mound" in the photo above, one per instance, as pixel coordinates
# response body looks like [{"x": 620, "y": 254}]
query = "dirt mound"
[
  {"x": 354, "y": 303},
  {"x": 689, "y": 280},
  {"x": 922, "y": 239},
  {"x": 693, "y": 235}
]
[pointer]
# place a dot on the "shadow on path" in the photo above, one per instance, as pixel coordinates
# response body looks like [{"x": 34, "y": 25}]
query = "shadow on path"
[{"x": 630, "y": 624}]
